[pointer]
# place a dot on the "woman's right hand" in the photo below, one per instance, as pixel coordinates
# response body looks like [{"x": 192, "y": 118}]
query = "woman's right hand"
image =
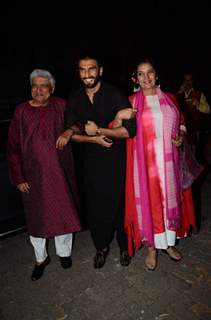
[
  {"x": 178, "y": 140},
  {"x": 23, "y": 187}
]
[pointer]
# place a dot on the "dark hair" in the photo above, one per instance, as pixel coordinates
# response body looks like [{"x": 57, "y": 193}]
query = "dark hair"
[
  {"x": 149, "y": 60},
  {"x": 143, "y": 60},
  {"x": 90, "y": 54}
]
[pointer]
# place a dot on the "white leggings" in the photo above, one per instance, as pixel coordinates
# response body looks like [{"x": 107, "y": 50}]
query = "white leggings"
[{"x": 63, "y": 246}]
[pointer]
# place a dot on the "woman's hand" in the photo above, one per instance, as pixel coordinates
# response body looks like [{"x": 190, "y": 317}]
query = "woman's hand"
[
  {"x": 178, "y": 140},
  {"x": 23, "y": 187}
]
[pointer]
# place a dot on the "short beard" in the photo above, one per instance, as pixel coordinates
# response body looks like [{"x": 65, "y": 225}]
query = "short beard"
[{"x": 93, "y": 85}]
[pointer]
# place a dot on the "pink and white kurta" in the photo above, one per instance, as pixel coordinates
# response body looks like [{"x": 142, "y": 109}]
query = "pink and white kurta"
[
  {"x": 154, "y": 148},
  {"x": 153, "y": 211}
]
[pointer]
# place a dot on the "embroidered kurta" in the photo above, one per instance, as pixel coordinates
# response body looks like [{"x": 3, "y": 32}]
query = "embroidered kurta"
[{"x": 51, "y": 206}]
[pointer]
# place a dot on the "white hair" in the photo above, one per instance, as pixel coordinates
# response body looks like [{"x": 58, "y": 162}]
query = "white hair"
[{"x": 42, "y": 73}]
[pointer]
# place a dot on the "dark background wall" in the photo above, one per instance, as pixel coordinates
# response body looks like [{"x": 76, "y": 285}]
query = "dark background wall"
[{"x": 175, "y": 33}]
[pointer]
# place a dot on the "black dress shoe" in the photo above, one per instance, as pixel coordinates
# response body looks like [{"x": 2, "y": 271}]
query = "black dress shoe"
[
  {"x": 39, "y": 269},
  {"x": 66, "y": 262},
  {"x": 125, "y": 259},
  {"x": 100, "y": 258}
]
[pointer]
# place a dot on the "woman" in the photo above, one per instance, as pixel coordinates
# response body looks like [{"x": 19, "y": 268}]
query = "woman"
[{"x": 153, "y": 195}]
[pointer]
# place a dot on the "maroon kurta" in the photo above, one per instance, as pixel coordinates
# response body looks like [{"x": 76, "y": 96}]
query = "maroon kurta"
[{"x": 51, "y": 206}]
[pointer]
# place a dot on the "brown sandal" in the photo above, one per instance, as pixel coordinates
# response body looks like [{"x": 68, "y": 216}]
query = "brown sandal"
[{"x": 173, "y": 253}]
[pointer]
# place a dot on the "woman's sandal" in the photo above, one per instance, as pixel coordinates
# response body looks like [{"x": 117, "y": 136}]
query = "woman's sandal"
[
  {"x": 173, "y": 254},
  {"x": 151, "y": 260}
]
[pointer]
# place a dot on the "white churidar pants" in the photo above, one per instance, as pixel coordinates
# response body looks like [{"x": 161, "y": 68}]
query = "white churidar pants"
[{"x": 63, "y": 246}]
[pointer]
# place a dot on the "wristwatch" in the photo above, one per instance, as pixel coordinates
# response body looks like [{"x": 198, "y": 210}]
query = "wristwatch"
[{"x": 98, "y": 132}]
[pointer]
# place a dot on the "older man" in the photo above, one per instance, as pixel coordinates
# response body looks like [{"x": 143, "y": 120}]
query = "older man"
[{"x": 43, "y": 173}]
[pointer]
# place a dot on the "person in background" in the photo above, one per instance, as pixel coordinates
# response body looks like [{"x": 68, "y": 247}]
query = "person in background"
[
  {"x": 102, "y": 156},
  {"x": 43, "y": 173},
  {"x": 195, "y": 108}
]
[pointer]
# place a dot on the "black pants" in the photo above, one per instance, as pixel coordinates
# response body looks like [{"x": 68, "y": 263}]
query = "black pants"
[{"x": 103, "y": 230}]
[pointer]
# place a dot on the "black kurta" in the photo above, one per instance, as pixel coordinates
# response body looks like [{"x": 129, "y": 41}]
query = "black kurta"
[{"x": 101, "y": 170}]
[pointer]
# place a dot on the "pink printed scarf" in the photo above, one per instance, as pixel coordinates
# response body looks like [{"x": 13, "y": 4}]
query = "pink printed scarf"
[{"x": 138, "y": 223}]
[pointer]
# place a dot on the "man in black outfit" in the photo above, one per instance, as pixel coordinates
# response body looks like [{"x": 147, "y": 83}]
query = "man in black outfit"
[{"x": 102, "y": 156}]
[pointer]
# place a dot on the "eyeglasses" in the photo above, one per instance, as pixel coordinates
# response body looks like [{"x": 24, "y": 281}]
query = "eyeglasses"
[{"x": 41, "y": 86}]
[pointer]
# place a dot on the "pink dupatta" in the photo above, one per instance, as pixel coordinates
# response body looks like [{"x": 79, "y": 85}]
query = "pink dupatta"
[{"x": 139, "y": 229}]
